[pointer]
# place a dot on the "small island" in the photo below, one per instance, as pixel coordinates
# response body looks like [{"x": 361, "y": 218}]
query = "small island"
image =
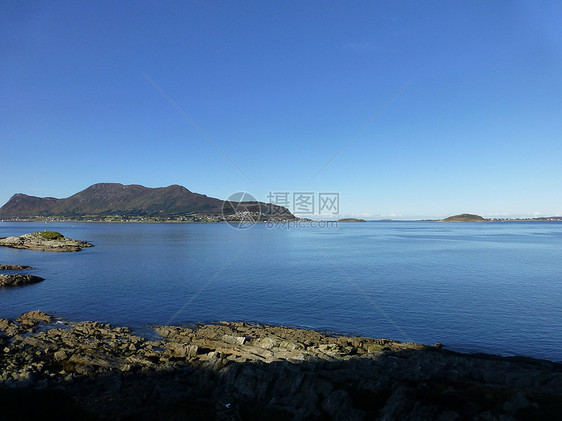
[
  {"x": 44, "y": 241},
  {"x": 351, "y": 220},
  {"x": 18, "y": 280},
  {"x": 465, "y": 217}
]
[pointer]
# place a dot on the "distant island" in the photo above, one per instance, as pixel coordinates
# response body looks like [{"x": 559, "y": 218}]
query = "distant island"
[
  {"x": 114, "y": 202},
  {"x": 465, "y": 217},
  {"x": 468, "y": 217},
  {"x": 351, "y": 220}
]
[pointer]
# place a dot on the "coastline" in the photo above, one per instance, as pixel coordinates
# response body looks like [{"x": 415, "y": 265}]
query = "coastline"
[
  {"x": 238, "y": 370},
  {"x": 178, "y": 221}
]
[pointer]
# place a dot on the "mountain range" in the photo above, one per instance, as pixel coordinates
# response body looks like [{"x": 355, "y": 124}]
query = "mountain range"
[{"x": 106, "y": 199}]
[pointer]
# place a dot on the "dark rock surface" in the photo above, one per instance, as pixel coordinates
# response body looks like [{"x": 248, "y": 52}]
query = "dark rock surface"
[
  {"x": 15, "y": 267},
  {"x": 18, "y": 280},
  {"x": 234, "y": 371},
  {"x": 41, "y": 242}
]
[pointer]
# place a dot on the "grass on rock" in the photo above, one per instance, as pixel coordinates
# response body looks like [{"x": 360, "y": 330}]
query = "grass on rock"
[{"x": 50, "y": 235}]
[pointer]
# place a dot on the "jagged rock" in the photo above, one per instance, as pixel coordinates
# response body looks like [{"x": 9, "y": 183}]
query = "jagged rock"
[
  {"x": 8, "y": 327},
  {"x": 267, "y": 343},
  {"x": 18, "y": 280},
  {"x": 60, "y": 355},
  {"x": 182, "y": 351},
  {"x": 34, "y": 317}
]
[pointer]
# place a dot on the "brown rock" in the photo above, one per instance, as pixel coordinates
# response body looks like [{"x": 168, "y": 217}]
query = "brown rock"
[
  {"x": 14, "y": 267},
  {"x": 33, "y": 317},
  {"x": 60, "y": 355},
  {"x": 182, "y": 350},
  {"x": 18, "y": 280}
]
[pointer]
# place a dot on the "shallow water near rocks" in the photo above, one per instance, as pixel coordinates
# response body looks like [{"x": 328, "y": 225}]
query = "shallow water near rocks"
[{"x": 476, "y": 287}]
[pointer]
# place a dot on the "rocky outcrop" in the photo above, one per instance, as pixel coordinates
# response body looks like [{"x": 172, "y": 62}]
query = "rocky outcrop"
[
  {"x": 44, "y": 241},
  {"x": 18, "y": 280},
  {"x": 14, "y": 267},
  {"x": 243, "y": 371}
]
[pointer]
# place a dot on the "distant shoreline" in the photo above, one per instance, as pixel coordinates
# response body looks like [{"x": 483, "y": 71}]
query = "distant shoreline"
[{"x": 347, "y": 220}]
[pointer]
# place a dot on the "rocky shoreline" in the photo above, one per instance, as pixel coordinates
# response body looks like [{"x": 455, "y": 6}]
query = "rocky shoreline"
[{"x": 232, "y": 371}]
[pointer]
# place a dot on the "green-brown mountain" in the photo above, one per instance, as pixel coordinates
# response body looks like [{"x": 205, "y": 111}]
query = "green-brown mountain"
[
  {"x": 105, "y": 199},
  {"x": 465, "y": 217}
]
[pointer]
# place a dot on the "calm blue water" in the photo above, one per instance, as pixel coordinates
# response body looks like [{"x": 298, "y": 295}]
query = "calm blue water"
[{"x": 490, "y": 287}]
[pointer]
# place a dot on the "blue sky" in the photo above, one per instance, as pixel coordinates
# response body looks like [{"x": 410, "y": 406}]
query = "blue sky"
[{"x": 280, "y": 87}]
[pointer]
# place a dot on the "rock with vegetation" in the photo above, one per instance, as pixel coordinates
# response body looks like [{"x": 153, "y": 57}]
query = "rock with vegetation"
[
  {"x": 465, "y": 217},
  {"x": 44, "y": 241},
  {"x": 18, "y": 280},
  {"x": 246, "y": 371}
]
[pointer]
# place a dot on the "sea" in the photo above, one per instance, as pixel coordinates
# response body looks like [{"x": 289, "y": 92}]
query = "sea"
[{"x": 492, "y": 287}]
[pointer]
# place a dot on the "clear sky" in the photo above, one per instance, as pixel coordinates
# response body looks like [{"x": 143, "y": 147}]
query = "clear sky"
[{"x": 280, "y": 87}]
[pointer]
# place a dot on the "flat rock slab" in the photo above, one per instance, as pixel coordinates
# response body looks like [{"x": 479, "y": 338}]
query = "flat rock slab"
[
  {"x": 44, "y": 241},
  {"x": 18, "y": 280}
]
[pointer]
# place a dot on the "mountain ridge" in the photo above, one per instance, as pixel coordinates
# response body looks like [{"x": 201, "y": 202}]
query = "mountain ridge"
[{"x": 105, "y": 199}]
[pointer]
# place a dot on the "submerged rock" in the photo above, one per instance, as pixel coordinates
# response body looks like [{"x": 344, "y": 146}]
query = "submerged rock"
[
  {"x": 15, "y": 267},
  {"x": 18, "y": 280},
  {"x": 44, "y": 241}
]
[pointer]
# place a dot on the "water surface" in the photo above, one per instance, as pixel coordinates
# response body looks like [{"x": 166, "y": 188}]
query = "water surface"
[{"x": 478, "y": 287}]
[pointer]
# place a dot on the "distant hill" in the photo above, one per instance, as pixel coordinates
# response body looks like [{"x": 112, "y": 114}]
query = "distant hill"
[
  {"x": 351, "y": 220},
  {"x": 106, "y": 199},
  {"x": 465, "y": 217}
]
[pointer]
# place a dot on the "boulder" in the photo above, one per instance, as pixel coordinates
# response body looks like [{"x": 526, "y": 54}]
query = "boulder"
[{"x": 35, "y": 317}]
